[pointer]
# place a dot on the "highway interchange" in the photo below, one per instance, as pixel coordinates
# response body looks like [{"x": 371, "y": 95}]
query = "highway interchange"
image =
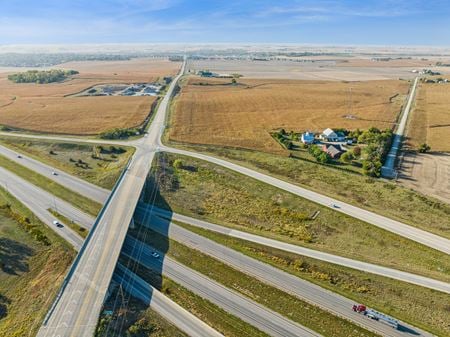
[{"x": 90, "y": 278}]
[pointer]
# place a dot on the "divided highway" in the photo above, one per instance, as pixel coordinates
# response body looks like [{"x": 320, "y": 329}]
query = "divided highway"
[
  {"x": 325, "y": 299},
  {"x": 141, "y": 212},
  {"x": 253, "y": 313}
]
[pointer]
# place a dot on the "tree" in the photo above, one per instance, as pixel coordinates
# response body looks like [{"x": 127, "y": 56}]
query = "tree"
[
  {"x": 346, "y": 157},
  {"x": 178, "y": 164},
  {"x": 356, "y": 151},
  {"x": 233, "y": 81},
  {"x": 424, "y": 148},
  {"x": 323, "y": 158},
  {"x": 372, "y": 168}
]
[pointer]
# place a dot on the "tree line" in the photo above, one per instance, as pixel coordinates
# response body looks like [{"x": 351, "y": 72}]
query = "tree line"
[{"x": 41, "y": 77}]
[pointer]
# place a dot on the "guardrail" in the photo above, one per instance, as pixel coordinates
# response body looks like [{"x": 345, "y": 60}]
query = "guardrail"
[{"x": 85, "y": 243}]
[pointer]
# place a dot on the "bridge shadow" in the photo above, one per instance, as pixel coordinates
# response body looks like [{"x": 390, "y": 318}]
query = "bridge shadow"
[
  {"x": 140, "y": 266},
  {"x": 408, "y": 330}
]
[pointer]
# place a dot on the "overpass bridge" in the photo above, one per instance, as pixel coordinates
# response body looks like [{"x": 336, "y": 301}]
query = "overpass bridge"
[{"x": 77, "y": 307}]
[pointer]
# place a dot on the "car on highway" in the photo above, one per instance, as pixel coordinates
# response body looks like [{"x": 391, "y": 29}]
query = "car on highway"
[
  {"x": 57, "y": 224},
  {"x": 19, "y": 156},
  {"x": 54, "y": 173}
]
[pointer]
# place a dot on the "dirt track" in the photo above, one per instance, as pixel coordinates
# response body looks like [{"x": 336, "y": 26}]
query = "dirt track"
[{"x": 427, "y": 173}]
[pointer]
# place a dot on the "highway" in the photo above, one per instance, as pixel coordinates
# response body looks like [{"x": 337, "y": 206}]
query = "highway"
[
  {"x": 38, "y": 201},
  {"x": 388, "y": 170},
  {"x": 142, "y": 213},
  {"x": 84, "y": 187},
  {"x": 179, "y": 316},
  {"x": 74, "y": 183},
  {"x": 77, "y": 306},
  {"x": 426, "y": 238},
  {"x": 311, "y": 293},
  {"x": 253, "y": 313}
]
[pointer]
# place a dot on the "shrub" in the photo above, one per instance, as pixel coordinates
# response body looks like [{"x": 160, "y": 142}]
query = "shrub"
[
  {"x": 424, "y": 148},
  {"x": 178, "y": 164}
]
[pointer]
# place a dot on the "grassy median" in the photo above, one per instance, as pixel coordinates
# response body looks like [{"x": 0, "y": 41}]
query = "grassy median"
[
  {"x": 210, "y": 192},
  {"x": 77, "y": 200},
  {"x": 33, "y": 263},
  {"x": 402, "y": 300},
  {"x": 289, "y": 306}
]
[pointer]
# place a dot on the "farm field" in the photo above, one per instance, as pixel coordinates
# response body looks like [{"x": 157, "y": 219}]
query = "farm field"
[
  {"x": 31, "y": 270},
  {"x": 204, "y": 190},
  {"x": 330, "y": 68},
  {"x": 430, "y": 120},
  {"x": 214, "y": 112},
  {"x": 428, "y": 173},
  {"x": 45, "y": 107}
]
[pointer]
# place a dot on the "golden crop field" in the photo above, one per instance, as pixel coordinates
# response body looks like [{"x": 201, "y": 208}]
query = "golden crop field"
[
  {"x": 49, "y": 107},
  {"x": 430, "y": 122},
  {"x": 243, "y": 115}
]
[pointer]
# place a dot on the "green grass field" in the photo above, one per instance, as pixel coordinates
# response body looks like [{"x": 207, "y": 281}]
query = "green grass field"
[
  {"x": 377, "y": 195},
  {"x": 77, "y": 200},
  {"x": 98, "y": 164},
  {"x": 210, "y": 192},
  {"x": 287, "y": 305},
  {"x": 30, "y": 271},
  {"x": 402, "y": 300}
]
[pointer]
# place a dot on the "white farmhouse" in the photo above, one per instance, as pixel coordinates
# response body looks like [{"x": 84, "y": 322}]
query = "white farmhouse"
[{"x": 330, "y": 136}]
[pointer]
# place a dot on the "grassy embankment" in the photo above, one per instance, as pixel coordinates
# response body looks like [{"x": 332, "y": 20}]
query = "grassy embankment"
[
  {"x": 287, "y": 305},
  {"x": 210, "y": 192},
  {"x": 211, "y": 314},
  {"x": 33, "y": 263},
  {"x": 83, "y": 203},
  {"x": 98, "y": 164},
  {"x": 83, "y": 232},
  {"x": 405, "y": 301}
]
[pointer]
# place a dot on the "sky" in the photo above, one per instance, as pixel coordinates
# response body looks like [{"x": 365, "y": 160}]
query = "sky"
[{"x": 346, "y": 22}]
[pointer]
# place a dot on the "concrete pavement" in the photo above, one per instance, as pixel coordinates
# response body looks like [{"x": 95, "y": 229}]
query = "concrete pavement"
[
  {"x": 77, "y": 307},
  {"x": 231, "y": 301},
  {"x": 307, "y": 291},
  {"x": 335, "y": 259}
]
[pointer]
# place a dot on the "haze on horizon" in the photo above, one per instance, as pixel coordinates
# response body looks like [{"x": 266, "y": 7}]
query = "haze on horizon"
[{"x": 383, "y": 22}]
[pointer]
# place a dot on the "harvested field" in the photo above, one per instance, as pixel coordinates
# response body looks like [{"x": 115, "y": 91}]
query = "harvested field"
[
  {"x": 45, "y": 107},
  {"x": 430, "y": 121},
  {"x": 427, "y": 173},
  {"x": 218, "y": 113},
  {"x": 329, "y": 68}
]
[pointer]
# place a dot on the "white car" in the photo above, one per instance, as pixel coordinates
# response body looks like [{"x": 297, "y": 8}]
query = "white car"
[
  {"x": 57, "y": 223},
  {"x": 54, "y": 173}
]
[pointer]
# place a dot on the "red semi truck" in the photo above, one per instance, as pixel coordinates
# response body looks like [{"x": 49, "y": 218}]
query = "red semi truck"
[{"x": 375, "y": 315}]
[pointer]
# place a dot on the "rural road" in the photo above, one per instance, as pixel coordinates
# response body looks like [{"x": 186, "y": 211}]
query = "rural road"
[
  {"x": 355, "y": 264},
  {"x": 388, "y": 170},
  {"x": 311, "y": 293},
  {"x": 78, "y": 304},
  {"x": 231, "y": 301}
]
